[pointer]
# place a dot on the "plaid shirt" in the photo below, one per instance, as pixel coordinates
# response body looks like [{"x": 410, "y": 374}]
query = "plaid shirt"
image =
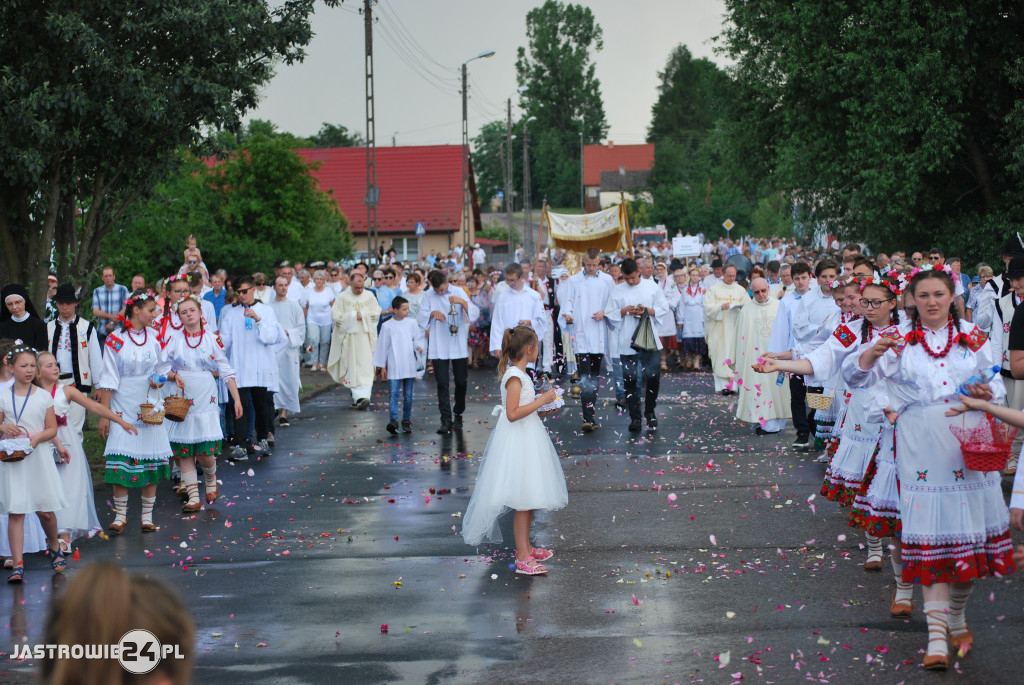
[{"x": 110, "y": 301}]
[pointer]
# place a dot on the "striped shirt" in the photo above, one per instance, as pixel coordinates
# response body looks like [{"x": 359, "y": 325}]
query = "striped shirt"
[{"x": 110, "y": 301}]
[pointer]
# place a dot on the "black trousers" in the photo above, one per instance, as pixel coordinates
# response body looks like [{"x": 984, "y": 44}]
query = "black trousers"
[
  {"x": 639, "y": 369},
  {"x": 254, "y": 399},
  {"x": 460, "y": 371},
  {"x": 589, "y": 368},
  {"x": 798, "y": 405}
]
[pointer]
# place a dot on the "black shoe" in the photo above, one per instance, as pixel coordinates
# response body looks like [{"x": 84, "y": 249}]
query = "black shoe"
[
  {"x": 362, "y": 404},
  {"x": 634, "y": 426},
  {"x": 446, "y": 428},
  {"x": 283, "y": 421},
  {"x": 652, "y": 422},
  {"x": 621, "y": 404},
  {"x": 407, "y": 426},
  {"x": 393, "y": 427},
  {"x": 803, "y": 441},
  {"x": 457, "y": 424}
]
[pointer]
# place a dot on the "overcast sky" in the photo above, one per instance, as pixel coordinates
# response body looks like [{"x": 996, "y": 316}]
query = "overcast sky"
[{"x": 419, "y": 46}]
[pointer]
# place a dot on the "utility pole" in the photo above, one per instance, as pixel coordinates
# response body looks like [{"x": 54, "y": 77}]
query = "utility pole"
[
  {"x": 372, "y": 191},
  {"x": 466, "y": 196},
  {"x": 583, "y": 188},
  {"x": 527, "y": 213},
  {"x": 509, "y": 178}
]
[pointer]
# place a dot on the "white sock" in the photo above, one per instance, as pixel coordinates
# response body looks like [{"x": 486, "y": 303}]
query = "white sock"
[
  {"x": 191, "y": 483},
  {"x": 958, "y": 595},
  {"x": 904, "y": 591},
  {"x": 147, "y": 509},
  {"x": 874, "y": 546},
  {"x": 120, "y": 509},
  {"x": 936, "y": 615},
  {"x": 210, "y": 476}
]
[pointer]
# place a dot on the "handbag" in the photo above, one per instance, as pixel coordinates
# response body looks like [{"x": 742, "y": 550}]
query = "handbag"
[{"x": 643, "y": 339}]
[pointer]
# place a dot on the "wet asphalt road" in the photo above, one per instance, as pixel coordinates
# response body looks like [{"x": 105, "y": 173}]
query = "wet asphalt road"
[{"x": 292, "y": 573}]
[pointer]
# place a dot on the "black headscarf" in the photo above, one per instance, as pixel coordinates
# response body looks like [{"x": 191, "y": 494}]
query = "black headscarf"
[{"x": 15, "y": 289}]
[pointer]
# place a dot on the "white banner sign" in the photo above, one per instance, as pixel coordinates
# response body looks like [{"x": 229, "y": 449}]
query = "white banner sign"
[{"x": 685, "y": 246}]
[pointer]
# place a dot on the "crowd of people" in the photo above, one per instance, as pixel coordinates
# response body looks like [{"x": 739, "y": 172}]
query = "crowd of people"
[{"x": 864, "y": 354}]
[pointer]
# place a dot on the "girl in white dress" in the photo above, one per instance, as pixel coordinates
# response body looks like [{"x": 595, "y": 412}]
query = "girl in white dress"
[
  {"x": 32, "y": 484},
  {"x": 520, "y": 469},
  {"x": 955, "y": 525},
  {"x": 79, "y": 517},
  {"x": 689, "y": 312},
  {"x": 133, "y": 369},
  {"x": 195, "y": 356}
]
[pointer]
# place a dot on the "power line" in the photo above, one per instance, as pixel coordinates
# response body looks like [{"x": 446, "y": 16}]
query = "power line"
[
  {"x": 410, "y": 61},
  {"x": 403, "y": 31}
]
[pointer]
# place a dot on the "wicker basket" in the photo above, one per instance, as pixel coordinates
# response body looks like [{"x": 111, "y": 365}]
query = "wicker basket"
[
  {"x": 150, "y": 417},
  {"x": 15, "y": 455},
  {"x": 987, "y": 446},
  {"x": 819, "y": 401},
  {"x": 176, "y": 406}
]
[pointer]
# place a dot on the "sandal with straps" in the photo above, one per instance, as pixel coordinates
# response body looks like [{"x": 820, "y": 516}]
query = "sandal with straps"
[
  {"x": 212, "y": 493},
  {"x": 530, "y": 567},
  {"x": 57, "y": 561},
  {"x": 541, "y": 554},
  {"x": 17, "y": 575}
]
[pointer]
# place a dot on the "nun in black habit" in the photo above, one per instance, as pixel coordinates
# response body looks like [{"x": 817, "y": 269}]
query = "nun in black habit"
[{"x": 19, "y": 319}]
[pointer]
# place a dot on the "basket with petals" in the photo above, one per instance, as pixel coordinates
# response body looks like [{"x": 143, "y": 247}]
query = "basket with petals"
[
  {"x": 152, "y": 414},
  {"x": 986, "y": 446},
  {"x": 819, "y": 401},
  {"x": 16, "y": 448}
]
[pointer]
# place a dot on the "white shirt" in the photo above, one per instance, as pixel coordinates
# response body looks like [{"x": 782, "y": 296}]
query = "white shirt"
[
  {"x": 581, "y": 297},
  {"x": 810, "y": 320},
  {"x": 396, "y": 347},
  {"x": 514, "y": 306},
  {"x": 250, "y": 350},
  {"x": 710, "y": 281},
  {"x": 299, "y": 293},
  {"x": 781, "y": 339},
  {"x": 645, "y": 293},
  {"x": 441, "y": 343}
]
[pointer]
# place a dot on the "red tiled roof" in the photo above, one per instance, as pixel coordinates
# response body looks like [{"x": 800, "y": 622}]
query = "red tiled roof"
[
  {"x": 417, "y": 183},
  {"x": 598, "y": 158}
]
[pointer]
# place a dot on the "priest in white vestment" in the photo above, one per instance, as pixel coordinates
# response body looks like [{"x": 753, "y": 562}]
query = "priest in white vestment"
[
  {"x": 722, "y": 305},
  {"x": 355, "y": 313},
  {"x": 761, "y": 400}
]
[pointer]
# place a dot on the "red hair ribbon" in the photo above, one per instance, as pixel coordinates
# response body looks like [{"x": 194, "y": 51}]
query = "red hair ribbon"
[{"x": 127, "y": 324}]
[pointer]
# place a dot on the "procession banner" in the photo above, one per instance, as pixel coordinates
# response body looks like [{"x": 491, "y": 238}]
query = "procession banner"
[
  {"x": 685, "y": 246},
  {"x": 606, "y": 230}
]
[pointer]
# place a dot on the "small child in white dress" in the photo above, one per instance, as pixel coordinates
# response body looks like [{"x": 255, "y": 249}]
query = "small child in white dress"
[
  {"x": 520, "y": 469},
  {"x": 31, "y": 485}
]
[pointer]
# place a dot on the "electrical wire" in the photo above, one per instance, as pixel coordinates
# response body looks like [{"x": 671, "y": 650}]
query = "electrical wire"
[
  {"x": 414, "y": 65},
  {"x": 402, "y": 31}
]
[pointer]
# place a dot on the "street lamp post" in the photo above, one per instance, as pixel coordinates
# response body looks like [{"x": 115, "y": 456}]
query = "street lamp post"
[
  {"x": 527, "y": 201},
  {"x": 466, "y": 196}
]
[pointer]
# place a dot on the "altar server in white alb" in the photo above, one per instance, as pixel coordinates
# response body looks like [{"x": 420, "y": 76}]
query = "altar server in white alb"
[
  {"x": 517, "y": 306},
  {"x": 249, "y": 331},
  {"x": 625, "y": 309},
  {"x": 400, "y": 345},
  {"x": 289, "y": 315},
  {"x": 445, "y": 314},
  {"x": 583, "y": 301}
]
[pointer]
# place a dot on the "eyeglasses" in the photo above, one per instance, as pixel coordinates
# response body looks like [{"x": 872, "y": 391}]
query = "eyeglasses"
[
  {"x": 378, "y": 278},
  {"x": 934, "y": 257},
  {"x": 243, "y": 291},
  {"x": 875, "y": 304},
  {"x": 180, "y": 292}
]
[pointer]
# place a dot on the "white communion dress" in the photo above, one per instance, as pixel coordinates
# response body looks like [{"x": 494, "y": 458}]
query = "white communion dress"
[
  {"x": 519, "y": 471},
  {"x": 79, "y": 517}
]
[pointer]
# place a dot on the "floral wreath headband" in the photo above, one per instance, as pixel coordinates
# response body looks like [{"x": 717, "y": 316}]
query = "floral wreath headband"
[
  {"x": 896, "y": 286},
  {"x": 843, "y": 282},
  {"x": 946, "y": 268},
  {"x": 19, "y": 347},
  {"x": 141, "y": 297},
  {"x": 189, "y": 297}
]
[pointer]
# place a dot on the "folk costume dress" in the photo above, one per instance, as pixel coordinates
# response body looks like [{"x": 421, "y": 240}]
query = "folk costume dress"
[
  {"x": 955, "y": 524},
  {"x": 194, "y": 358},
  {"x": 134, "y": 461},
  {"x": 520, "y": 470},
  {"x": 827, "y": 421},
  {"x": 861, "y": 419},
  {"x": 79, "y": 517}
]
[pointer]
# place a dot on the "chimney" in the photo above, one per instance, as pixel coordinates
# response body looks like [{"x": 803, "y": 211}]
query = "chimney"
[{"x": 611, "y": 144}]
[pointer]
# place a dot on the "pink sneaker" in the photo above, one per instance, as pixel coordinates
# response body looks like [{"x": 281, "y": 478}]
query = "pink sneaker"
[
  {"x": 542, "y": 554},
  {"x": 530, "y": 567}
]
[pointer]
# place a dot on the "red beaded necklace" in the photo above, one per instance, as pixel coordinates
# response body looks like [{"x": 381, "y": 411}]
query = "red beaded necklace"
[
  {"x": 195, "y": 335},
  {"x": 924, "y": 342},
  {"x": 145, "y": 335}
]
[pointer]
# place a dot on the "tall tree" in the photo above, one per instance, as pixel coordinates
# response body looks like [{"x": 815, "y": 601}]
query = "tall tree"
[
  {"x": 334, "y": 135},
  {"x": 563, "y": 93},
  {"x": 246, "y": 211},
  {"x": 898, "y": 123},
  {"x": 98, "y": 97},
  {"x": 692, "y": 97},
  {"x": 488, "y": 154}
]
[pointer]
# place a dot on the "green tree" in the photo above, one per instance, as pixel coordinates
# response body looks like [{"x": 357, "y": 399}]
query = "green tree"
[
  {"x": 97, "y": 99},
  {"x": 488, "y": 153},
  {"x": 334, "y": 135},
  {"x": 900, "y": 123},
  {"x": 246, "y": 212},
  {"x": 692, "y": 97},
  {"x": 563, "y": 93}
]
